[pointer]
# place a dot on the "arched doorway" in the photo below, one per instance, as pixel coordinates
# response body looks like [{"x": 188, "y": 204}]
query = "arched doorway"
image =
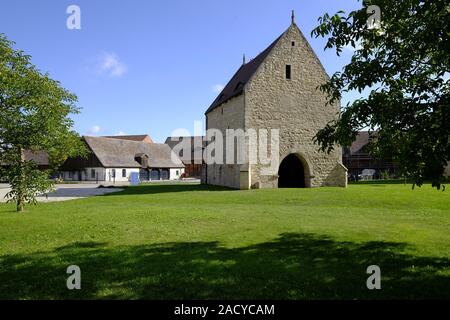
[{"x": 291, "y": 173}]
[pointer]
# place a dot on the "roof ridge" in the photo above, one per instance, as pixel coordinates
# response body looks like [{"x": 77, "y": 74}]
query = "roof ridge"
[{"x": 242, "y": 76}]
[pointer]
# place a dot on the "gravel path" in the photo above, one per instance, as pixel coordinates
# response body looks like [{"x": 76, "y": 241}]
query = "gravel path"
[{"x": 66, "y": 192}]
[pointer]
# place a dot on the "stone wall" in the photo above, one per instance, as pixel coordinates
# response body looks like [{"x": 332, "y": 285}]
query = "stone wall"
[
  {"x": 296, "y": 107},
  {"x": 229, "y": 115}
]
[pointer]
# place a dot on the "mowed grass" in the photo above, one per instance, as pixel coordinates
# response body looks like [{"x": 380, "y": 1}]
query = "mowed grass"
[{"x": 196, "y": 242}]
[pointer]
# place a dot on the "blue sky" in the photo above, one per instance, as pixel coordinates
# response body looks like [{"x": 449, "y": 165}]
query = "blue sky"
[{"x": 154, "y": 66}]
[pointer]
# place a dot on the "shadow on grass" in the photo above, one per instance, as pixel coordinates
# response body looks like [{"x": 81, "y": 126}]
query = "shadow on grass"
[
  {"x": 394, "y": 181},
  {"x": 167, "y": 188},
  {"x": 381, "y": 182},
  {"x": 293, "y": 266}
]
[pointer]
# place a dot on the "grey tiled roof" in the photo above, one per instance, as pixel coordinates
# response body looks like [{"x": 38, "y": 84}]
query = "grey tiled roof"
[
  {"x": 39, "y": 157},
  {"x": 136, "y": 137},
  {"x": 121, "y": 153}
]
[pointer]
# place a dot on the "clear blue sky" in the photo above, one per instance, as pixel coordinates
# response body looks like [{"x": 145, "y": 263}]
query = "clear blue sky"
[{"x": 154, "y": 66}]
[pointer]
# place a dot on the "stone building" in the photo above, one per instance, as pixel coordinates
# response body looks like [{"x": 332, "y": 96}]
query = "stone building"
[{"x": 278, "y": 90}]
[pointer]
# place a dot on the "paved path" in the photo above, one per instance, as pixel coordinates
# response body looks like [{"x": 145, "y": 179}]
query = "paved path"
[{"x": 66, "y": 192}]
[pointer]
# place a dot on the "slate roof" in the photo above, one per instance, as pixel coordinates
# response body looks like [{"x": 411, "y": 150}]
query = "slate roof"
[
  {"x": 235, "y": 86},
  {"x": 112, "y": 152}
]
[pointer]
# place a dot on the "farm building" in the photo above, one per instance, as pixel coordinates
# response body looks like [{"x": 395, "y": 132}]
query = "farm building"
[{"x": 115, "y": 160}]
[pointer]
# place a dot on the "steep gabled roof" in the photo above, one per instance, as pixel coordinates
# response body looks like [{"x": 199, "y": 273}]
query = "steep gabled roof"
[
  {"x": 235, "y": 86},
  {"x": 121, "y": 153}
]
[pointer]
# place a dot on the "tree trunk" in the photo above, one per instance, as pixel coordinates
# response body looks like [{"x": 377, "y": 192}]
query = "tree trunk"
[
  {"x": 20, "y": 196},
  {"x": 20, "y": 203}
]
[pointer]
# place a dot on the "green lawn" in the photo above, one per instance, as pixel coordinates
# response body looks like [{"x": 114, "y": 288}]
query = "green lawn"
[{"x": 192, "y": 241}]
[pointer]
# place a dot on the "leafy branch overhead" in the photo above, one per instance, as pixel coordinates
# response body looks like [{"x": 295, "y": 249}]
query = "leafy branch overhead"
[
  {"x": 405, "y": 63},
  {"x": 34, "y": 115}
]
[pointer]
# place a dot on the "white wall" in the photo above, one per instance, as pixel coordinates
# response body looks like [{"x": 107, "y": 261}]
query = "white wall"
[
  {"x": 100, "y": 174},
  {"x": 174, "y": 175},
  {"x": 119, "y": 177},
  {"x": 86, "y": 175},
  {"x": 106, "y": 174}
]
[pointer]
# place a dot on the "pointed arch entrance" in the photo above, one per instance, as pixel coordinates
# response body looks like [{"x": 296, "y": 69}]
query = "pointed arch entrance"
[{"x": 293, "y": 172}]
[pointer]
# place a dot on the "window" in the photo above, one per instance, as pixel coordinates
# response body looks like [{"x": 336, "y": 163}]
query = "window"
[
  {"x": 178, "y": 173},
  {"x": 124, "y": 173},
  {"x": 113, "y": 173},
  {"x": 70, "y": 175},
  {"x": 92, "y": 174},
  {"x": 288, "y": 72},
  {"x": 293, "y": 43}
]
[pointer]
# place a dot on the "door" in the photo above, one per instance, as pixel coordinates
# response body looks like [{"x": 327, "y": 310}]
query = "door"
[
  {"x": 165, "y": 174},
  {"x": 143, "y": 175},
  {"x": 155, "y": 174}
]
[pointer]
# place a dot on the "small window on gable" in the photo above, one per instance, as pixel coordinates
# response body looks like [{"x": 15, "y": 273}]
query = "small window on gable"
[
  {"x": 288, "y": 72},
  {"x": 293, "y": 43}
]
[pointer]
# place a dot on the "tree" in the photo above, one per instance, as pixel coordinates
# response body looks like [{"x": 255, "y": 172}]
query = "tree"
[
  {"x": 404, "y": 61},
  {"x": 34, "y": 115}
]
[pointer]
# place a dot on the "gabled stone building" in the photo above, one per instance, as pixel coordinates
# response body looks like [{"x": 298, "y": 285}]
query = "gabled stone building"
[{"x": 279, "y": 90}]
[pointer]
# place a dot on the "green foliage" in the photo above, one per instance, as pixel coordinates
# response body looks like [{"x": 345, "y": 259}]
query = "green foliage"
[
  {"x": 34, "y": 115},
  {"x": 404, "y": 63},
  {"x": 36, "y": 182}
]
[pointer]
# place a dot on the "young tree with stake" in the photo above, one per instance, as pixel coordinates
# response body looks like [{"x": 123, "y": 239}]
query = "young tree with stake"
[{"x": 34, "y": 115}]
